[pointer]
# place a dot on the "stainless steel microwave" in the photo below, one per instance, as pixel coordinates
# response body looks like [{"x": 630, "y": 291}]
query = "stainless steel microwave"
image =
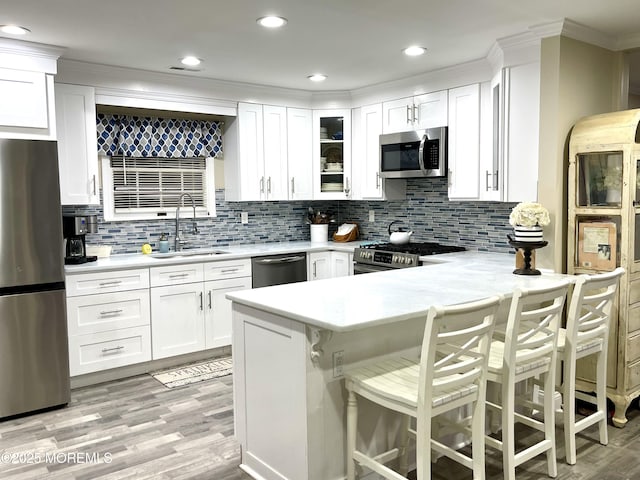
[{"x": 419, "y": 153}]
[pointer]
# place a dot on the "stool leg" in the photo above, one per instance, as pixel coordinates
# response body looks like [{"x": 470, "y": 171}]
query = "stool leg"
[
  {"x": 508, "y": 434},
  {"x": 423, "y": 444},
  {"x": 569, "y": 410},
  {"x": 601, "y": 392},
  {"x": 403, "y": 466},
  {"x": 549, "y": 422},
  {"x": 352, "y": 428},
  {"x": 477, "y": 440}
]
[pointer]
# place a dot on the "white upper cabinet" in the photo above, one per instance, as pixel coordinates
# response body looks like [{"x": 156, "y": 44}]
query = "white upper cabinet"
[
  {"x": 268, "y": 154},
  {"x": 248, "y": 181},
  {"x": 367, "y": 182},
  {"x": 274, "y": 184},
  {"x": 27, "y": 100},
  {"x": 520, "y": 128},
  {"x": 332, "y": 154},
  {"x": 415, "y": 113},
  {"x": 23, "y": 99},
  {"x": 300, "y": 153},
  {"x": 464, "y": 142},
  {"x": 77, "y": 144}
]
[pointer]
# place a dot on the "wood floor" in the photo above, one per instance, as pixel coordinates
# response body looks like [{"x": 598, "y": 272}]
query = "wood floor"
[{"x": 152, "y": 432}]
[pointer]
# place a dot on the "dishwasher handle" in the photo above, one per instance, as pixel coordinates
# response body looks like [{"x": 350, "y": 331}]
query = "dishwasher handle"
[{"x": 275, "y": 261}]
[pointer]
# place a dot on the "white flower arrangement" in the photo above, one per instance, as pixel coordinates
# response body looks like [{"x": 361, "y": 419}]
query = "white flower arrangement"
[{"x": 529, "y": 214}]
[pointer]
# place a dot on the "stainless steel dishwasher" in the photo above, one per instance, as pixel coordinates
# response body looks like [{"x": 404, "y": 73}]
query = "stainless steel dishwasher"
[{"x": 278, "y": 269}]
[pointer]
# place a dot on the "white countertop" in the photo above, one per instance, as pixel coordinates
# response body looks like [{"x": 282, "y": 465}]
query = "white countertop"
[
  {"x": 139, "y": 260},
  {"x": 361, "y": 301}
]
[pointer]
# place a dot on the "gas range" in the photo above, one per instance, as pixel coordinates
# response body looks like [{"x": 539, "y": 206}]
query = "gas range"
[{"x": 386, "y": 256}]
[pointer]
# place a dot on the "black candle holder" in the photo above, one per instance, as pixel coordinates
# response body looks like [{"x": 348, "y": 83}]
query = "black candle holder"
[{"x": 527, "y": 248}]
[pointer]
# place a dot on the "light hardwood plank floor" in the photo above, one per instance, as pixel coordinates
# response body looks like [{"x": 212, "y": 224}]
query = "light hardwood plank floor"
[{"x": 186, "y": 433}]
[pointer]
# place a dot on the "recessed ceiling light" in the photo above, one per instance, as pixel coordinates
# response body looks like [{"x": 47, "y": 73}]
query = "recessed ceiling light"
[
  {"x": 190, "y": 61},
  {"x": 317, "y": 77},
  {"x": 272, "y": 21},
  {"x": 14, "y": 30},
  {"x": 414, "y": 51}
]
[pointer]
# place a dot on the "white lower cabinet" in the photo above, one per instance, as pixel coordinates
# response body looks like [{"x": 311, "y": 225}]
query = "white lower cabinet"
[
  {"x": 319, "y": 265},
  {"x": 329, "y": 265},
  {"x": 108, "y": 326},
  {"x": 103, "y": 350},
  {"x": 177, "y": 319},
  {"x": 189, "y": 310},
  {"x": 218, "y": 313},
  {"x": 341, "y": 264}
]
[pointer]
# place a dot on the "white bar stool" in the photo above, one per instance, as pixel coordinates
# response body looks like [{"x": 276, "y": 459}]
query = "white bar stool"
[
  {"x": 587, "y": 333},
  {"x": 451, "y": 373},
  {"x": 528, "y": 351}
]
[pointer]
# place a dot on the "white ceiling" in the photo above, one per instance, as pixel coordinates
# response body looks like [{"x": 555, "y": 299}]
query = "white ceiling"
[{"x": 355, "y": 42}]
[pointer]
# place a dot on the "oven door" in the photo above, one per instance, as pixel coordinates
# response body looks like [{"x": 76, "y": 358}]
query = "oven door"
[{"x": 359, "y": 268}]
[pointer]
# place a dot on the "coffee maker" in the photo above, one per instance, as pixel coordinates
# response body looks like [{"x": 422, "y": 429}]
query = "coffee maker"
[{"x": 74, "y": 229}]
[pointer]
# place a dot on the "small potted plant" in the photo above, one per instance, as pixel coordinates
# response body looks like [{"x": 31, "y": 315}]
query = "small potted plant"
[{"x": 527, "y": 219}]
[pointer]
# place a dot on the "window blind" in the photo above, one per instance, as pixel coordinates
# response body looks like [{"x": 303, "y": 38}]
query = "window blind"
[{"x": 154, "y": 184}]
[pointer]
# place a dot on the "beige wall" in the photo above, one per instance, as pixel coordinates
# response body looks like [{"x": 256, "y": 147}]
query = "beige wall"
[{"x": 577, "y": 79}]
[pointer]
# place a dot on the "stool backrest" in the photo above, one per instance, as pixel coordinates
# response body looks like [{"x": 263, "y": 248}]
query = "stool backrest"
[
  {"x": 532, "y": 326},
  {"x": 590, "y": 308},
  {"x": 455, "y": 348}
]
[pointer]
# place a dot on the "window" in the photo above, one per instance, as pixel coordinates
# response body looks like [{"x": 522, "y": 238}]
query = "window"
[{"x": 145, "y": 188}]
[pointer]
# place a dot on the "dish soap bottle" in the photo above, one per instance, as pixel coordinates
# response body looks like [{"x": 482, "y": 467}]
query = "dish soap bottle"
[{"x": 163, "y": 246}]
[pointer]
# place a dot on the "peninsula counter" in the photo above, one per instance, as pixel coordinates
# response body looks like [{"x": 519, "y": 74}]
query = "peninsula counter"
[{"x": 292, "y": 342}]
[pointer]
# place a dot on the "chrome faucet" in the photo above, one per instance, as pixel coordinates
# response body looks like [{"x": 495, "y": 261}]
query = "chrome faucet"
[{"x": 178, "y": 240}]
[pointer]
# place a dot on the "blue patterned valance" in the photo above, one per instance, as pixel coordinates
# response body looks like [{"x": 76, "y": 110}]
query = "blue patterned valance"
[{"x": 157, "y": 137}]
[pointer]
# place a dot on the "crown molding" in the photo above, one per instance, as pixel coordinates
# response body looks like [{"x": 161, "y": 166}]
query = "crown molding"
[
  {"x": 628, "y": 42},
  {"x": 21, "y": 55},
  {"x": 577, "y": 31}
]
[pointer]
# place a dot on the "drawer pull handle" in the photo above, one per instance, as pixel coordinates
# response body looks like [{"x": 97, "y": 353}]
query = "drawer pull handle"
[
  {"x": 209, "y": 299},
  {"x": 179, "y": 275},
  {"x": 229, "y": 270},
  {"x": 112, "y": 350},
  {"x": 112, "y": 282},
  {"x": 111, "y": 312}
]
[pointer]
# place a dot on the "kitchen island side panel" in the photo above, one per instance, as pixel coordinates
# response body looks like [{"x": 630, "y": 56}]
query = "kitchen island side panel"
[
  {"x": 294, "y": 421},
  {"x": 270, "y": 394}
]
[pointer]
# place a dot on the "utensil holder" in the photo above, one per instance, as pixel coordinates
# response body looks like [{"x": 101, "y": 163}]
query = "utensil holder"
[{"x": 319, "y": 232}]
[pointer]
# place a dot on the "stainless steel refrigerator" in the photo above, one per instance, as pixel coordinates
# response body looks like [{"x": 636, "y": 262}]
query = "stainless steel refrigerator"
[{"x": 34, "y": 359}]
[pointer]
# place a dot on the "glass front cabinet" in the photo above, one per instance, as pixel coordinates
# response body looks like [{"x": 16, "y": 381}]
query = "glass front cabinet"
[
  {"x": 332, "y": 154},
  {"x": 603, "y": 198}
]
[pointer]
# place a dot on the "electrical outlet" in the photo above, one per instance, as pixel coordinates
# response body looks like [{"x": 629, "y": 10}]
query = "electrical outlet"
[
  {"x": 338, "y": 363},
  {"x": 372, "y": 215},
  {"x": 244, "y": 217}
]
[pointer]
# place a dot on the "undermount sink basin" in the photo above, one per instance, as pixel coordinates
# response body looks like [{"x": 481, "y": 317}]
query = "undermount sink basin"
[{"x": 188, "y": 254}]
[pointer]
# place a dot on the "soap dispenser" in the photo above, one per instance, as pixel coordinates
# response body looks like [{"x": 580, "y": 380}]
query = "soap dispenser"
[{"x": 163, "y": 246}]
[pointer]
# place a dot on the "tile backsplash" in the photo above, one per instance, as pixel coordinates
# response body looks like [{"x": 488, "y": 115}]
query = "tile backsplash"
[{"x": 426, "y": 210}]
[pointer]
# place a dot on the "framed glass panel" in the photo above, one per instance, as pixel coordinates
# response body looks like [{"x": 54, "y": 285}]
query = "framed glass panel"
[
  {"x": 598, "y": 242},
  {"x": 599, "y": 179}
]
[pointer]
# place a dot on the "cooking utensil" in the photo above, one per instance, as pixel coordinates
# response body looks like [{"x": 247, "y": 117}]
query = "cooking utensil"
[{"x": 400, "y": 236}]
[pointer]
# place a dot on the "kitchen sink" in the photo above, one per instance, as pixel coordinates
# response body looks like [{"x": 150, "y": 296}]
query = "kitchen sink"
[{"x": 187, "y": 254}]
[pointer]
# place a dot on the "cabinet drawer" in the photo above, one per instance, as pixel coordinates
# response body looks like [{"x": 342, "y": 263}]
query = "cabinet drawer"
[
  {"x": 634, "y": 319},
  {"x": 106, "y": 282},
  {"x": 116, "y": 348},
  {"x": 632, "y": 374},
  {"x": 107, "y": 311},
  {"x": 176, "y": 274},
  {"x": 227, "y": 269},
  {"x": 634, "y": 292},
  {"x": 633, "y": 348}
]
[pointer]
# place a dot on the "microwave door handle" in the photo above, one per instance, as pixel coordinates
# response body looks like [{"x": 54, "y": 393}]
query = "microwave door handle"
[{"x": 423, "y": 167}]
